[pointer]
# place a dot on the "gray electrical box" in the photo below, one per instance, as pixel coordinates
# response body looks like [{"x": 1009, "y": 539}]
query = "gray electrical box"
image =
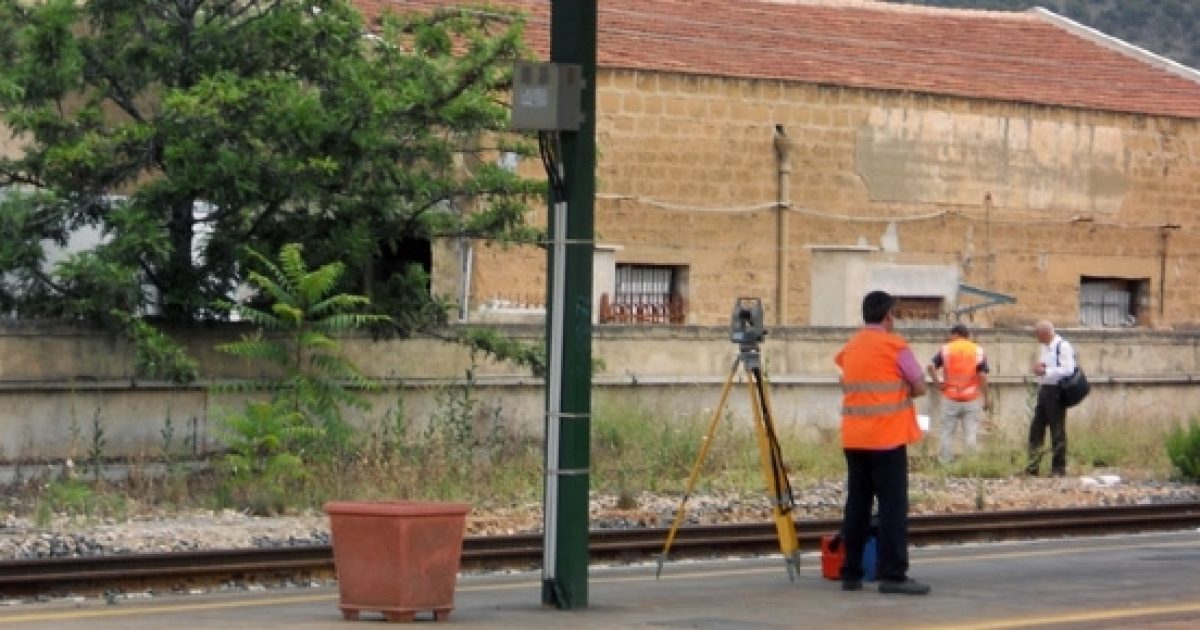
[{"x": 546, "y": 96}]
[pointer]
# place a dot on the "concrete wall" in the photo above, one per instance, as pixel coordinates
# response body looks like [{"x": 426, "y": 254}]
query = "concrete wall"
[
  {"x": 1021, "y": 199},
  {"x": 55, "y": 381},
  {"x": 842, "y": 275}
]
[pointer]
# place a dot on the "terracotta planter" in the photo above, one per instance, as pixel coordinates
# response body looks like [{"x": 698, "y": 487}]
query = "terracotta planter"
[{"x": 396, "y": 557}]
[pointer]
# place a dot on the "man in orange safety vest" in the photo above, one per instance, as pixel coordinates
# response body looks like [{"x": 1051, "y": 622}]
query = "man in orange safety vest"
[
  {"x": 964, "y": 390},
  {"x": 880, "y": 377}
]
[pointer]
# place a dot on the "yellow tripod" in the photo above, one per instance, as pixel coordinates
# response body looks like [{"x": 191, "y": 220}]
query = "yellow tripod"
[{"x": 747, "y": 333}]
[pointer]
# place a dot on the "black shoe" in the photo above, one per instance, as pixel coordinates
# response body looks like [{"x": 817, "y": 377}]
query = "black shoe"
[
  {"x": 851, "y": 585},
  {"x": 1059, "y": 473},
  {"x": 906, "y": 586}
]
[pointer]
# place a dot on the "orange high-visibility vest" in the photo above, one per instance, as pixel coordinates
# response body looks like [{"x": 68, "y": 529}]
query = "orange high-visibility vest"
[
  {"x": 960, "y": 359},
  {"x": 877, "y": 412}
]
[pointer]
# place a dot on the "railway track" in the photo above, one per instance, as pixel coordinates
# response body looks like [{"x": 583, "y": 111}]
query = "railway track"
[{"x": 195, "y": 569}]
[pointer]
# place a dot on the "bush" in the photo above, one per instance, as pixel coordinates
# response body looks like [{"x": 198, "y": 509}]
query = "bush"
[{"x": 1183, "y": 448}]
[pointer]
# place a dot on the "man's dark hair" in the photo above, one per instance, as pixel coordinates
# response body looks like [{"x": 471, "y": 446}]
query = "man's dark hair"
[
  {"x": 876, "y": 305},
  {"x": 960, "y": 330}
]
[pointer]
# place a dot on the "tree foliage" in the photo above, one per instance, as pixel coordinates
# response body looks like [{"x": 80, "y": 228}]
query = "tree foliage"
[{"x": 183, "y": 133}]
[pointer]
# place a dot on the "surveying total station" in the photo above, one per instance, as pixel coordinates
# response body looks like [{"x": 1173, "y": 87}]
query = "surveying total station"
[{"x": 746, "y": 330}]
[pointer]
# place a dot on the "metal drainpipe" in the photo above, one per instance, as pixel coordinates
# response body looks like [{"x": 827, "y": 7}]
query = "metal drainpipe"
[
  {"x": 1164, "y": 233},
  {"x": 783, "y": 146},
  {"x": 987, "y": 240},
  {"x": 468, "y": 261}
]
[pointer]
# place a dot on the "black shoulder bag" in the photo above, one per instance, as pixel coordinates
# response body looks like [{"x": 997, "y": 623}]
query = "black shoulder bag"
[{"x": 1074, "y": 388}]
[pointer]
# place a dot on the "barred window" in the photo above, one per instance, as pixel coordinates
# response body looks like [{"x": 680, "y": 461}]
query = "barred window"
[
  {"x": 1110, "y": 302},
  {"x": 648, "y": 294}
]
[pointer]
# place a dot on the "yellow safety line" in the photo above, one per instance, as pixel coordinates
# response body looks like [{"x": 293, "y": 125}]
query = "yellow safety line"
[
  {"x": 1075, "y": 617},
  {"x": 169, "y": 608}
]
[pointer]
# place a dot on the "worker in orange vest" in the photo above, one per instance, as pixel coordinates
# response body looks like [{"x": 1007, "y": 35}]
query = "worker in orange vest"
[
  {"x": 963, "y": 387},
  {"x": 880, "y": 377}
]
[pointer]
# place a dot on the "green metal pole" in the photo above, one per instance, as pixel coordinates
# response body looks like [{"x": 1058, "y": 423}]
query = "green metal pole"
[{"x": 564, "y": 583}]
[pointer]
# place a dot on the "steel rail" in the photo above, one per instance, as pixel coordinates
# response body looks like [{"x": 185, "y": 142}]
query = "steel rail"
[{"x": 173, "y": 569}]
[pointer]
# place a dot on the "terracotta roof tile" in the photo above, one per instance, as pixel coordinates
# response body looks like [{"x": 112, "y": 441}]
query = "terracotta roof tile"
[{"x": 1024, "y": 57}]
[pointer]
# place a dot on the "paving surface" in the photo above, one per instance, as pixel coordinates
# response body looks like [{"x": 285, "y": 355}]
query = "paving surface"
[{"x": 1141, "y": 581}]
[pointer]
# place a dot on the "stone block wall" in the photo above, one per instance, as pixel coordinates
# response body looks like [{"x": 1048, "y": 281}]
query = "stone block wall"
[{"x": 687, "y": 175}]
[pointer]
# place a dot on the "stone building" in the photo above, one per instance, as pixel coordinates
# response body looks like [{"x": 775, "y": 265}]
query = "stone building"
[{"x": 994, "y": 166}]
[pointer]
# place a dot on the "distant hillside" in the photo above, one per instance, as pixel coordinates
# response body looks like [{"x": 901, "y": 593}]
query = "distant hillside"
[{"x": 1170, "y": 28}]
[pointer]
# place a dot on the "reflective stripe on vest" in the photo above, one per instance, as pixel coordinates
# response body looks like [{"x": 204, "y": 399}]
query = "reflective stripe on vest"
[
  {"x": 885, "y": 386},
  {"x": 877, "y": 412},
  {"x": 960, "y": 359}
]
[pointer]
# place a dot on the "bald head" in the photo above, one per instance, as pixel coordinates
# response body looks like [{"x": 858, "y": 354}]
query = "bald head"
[{"x": 1044, "y": 331}]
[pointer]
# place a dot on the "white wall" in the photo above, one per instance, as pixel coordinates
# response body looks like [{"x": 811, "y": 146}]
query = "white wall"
[{"x": 843, "y": 274}]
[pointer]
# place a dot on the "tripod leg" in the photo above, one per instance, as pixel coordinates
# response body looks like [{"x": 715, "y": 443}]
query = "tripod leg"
[
  {"x": 775, "y": 473},
  {"x": 705, "y": 444}
]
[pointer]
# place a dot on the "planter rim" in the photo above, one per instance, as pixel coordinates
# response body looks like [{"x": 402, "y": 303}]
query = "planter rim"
[{"x": 397, "y": 508}]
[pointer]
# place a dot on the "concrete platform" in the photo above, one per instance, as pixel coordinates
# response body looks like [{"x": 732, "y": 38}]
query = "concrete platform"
[{"x": 1142, "y": 581}]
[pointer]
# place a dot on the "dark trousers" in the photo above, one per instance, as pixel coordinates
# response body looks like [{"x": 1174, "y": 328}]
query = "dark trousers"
[
  {"x": 881, "y": 475},
  {"x": 1049, "y": 413}
]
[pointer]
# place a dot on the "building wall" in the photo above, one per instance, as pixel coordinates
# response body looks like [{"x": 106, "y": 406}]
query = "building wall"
[
  {"x": 1023, "y": 199},
  {"x": 57, "y": 383}
]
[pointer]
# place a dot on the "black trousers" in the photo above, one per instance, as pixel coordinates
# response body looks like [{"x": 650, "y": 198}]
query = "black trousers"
[
  {"x": 881, "y": 475},
  {"x": 1048, "y": 413}
]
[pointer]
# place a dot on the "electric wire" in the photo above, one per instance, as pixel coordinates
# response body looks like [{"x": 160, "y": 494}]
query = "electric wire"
[
  {"x": 549, "y": 150},
  {"x": 666, "y": 205},
  {"x": 821, "y": 214},
  {"x": 748, "y": 247}
]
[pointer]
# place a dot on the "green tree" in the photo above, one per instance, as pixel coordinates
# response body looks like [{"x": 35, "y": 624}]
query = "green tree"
[{"x": 178, "y": 131}]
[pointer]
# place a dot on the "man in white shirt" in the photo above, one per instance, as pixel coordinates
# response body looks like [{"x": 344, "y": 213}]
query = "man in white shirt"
[{"x": 1056, "y": 361}]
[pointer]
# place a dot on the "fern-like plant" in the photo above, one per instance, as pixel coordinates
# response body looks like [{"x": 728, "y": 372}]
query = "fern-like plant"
[{"x": 297, "y": 335}]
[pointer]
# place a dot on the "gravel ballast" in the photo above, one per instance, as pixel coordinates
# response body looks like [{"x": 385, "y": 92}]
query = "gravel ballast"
[{"x": 67, "y": 536}]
